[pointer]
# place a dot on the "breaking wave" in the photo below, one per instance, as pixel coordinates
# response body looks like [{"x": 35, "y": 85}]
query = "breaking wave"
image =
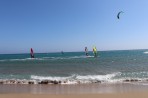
[
  {"x": 78, "y": 79},
  {"x": 46, "y": 58},
  {"x": 146, "y": 52}
]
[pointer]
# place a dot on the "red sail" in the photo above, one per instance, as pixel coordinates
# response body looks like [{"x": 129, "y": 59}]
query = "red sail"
[{"x": 31, "y": 53}]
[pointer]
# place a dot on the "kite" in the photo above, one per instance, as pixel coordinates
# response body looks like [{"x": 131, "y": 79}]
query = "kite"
[{"x": 118, "y": 15}]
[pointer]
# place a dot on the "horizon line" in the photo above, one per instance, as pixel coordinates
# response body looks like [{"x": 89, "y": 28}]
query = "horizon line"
[{"x": 73, "y": 51}]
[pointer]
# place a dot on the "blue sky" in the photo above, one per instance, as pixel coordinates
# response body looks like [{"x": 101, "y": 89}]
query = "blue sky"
[{"x": 70, "y": 25}]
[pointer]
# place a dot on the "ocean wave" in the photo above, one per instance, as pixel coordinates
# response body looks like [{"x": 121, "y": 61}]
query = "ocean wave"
[
  {"x": 68, "y": 57},
  {"x": 84, "y": 56},
  {"x": 20, "y": 59},
  {"x": 146, "y": 52},
  {"x": 24, "y": 81},
  {"x": 5, "y": 60},
  {"x": 47, "y": 58},
  {"x": 108, "y": 78},
  {"x": 75, "y": 79}
]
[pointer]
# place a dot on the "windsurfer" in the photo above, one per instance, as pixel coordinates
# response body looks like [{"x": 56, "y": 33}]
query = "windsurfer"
[
  {"x": 95, "y": 51},
  {"x": 86, "y": 51},
  {"x": 31, "y": 53}
]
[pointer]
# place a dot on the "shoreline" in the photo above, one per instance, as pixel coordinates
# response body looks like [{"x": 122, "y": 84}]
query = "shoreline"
[
  {"x": 98, "y": 90},
  {"x": 58, "y": 89},
  {"x": 68, "y": 82}
]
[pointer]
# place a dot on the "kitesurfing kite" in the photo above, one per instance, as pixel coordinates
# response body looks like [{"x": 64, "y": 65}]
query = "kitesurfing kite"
[
  {"x": 118, "y": 15},
  {"x": 31, "y": 53}
]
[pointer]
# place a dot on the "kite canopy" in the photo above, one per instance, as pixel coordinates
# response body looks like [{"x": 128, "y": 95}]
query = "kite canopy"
[{"x": 118, "y": 15}]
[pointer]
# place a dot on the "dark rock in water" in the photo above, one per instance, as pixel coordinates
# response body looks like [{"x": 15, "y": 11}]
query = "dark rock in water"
[
  {"x": 44, "y": 82},
  {"x": 51, "y": 82},
  {"x": 1, "y": 82},
  {"x": 56, "y": 82},
  {"x": 127, "y": 80},
  {"x": 131, "y": 80},
  {"x": 134, "y": 80},
  {"x": 98, "y": 81},
  {"x": 19, "y": 82},
  {"x": 60, "y": 82},
  {"x": 30, "y": 82}
]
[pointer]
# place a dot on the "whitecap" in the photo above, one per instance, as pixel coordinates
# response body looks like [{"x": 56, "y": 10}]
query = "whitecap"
[
  {"x": 146, "y": 52},
  {"x": 76, "y": 79}
]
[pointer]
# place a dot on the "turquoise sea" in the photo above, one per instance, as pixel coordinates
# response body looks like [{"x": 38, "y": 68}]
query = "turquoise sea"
[{"x": 74, "y": 67}]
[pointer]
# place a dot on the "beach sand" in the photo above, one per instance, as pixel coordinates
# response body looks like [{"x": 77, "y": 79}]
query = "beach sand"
[
  {"x": 116, "y": 95},
  {"x": 121, "y": 90}
]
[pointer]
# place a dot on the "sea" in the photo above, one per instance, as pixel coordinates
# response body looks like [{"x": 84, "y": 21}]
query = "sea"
[{"x": 116, "y": 66}]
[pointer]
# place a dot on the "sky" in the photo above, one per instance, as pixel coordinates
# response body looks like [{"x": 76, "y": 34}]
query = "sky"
[{"x": 71, "y": 25}]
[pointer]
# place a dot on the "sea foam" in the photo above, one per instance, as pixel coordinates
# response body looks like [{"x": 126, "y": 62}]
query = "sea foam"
[{"x": 77, "y": 79}]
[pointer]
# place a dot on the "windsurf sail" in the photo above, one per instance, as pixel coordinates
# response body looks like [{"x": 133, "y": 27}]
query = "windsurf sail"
[
  {"x": 86, "y": 51},
  {"x": 62, "y": 52},
  {"x": 95, "y": 51},
  {"x": 31, "y": 53}
]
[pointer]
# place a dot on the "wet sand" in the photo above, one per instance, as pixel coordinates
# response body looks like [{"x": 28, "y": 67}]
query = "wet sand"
[
  {"x": 73, "y": 89},
  {"x": 121, "y": 90}
]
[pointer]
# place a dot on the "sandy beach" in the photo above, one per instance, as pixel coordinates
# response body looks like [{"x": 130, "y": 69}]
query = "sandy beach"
[
  {"x": 117, "y": 95},
  {"x": 125, "y": 90}
]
